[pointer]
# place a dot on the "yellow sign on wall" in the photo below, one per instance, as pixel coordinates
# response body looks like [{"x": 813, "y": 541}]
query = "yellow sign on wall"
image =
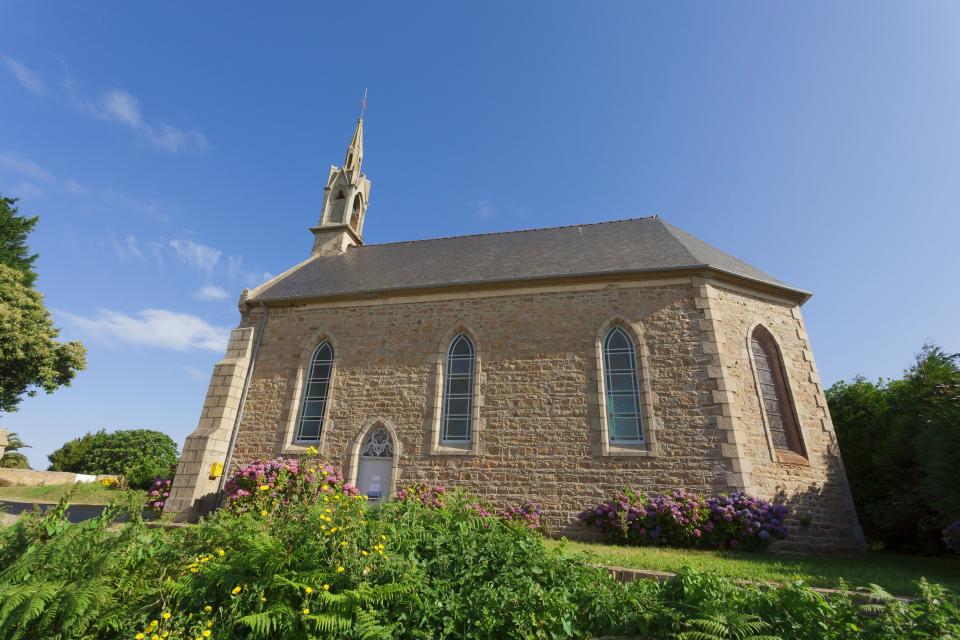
[{"x": 216, "y": 470}]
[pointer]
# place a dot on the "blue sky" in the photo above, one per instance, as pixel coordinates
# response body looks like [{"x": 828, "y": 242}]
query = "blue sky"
[{"x": 176, "y": 153}]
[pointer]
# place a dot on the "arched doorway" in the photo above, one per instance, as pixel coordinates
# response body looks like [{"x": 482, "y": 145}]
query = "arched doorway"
[{"x": 375, "y": 469}]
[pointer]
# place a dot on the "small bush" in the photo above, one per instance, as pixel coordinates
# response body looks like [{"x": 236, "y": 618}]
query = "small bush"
[
  {"x": 268, "y": 485},
  {"x": 158, "y": 494},
  {"x": 684, "y": 519},
  {"x": 142, "y": 453}
]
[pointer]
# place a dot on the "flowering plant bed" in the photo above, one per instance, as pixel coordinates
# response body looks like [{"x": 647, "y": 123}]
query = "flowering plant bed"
[{"x": 686, "y": 519}]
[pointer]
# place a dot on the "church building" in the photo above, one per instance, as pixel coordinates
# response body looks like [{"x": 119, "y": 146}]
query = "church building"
[{"x": 556, "y": 365}]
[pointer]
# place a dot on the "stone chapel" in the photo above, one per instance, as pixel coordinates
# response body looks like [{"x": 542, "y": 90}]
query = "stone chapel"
[{"x": 557, "y": 365}]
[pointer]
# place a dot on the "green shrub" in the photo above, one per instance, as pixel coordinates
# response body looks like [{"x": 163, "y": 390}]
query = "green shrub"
[
  {"x": 142, "y": 454},
  {"x": 904, "y": 428},
  {"x": 323, "y": 563}
]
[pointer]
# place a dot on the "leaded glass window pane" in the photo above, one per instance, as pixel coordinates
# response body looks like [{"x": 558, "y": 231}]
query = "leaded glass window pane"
[
  {"x": 457, "y": 408},
  {"x": 316, "y": 389},
  {"x": 622, "y": 388},
  {"x": 776, "y": 400}
]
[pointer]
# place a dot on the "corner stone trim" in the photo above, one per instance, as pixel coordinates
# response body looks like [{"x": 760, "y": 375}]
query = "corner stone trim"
[{"x": 193, "y": 490}]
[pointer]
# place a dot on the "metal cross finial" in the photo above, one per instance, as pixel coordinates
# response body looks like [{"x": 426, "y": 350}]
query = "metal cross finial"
[{"x": 363, "y": 104}]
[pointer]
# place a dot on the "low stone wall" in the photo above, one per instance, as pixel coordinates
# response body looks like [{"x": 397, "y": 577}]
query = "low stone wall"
[{"x": 32, "y": 478}]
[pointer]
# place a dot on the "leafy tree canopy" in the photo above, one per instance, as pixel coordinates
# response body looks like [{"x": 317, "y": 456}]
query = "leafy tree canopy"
[
  {"x": 12, "y": 458},
  {"x": 14, "y": 230},
  {"x": 901, "y": 447},
  {"x": 30, "y": 356},
  {"x": 140, "y": 453}
]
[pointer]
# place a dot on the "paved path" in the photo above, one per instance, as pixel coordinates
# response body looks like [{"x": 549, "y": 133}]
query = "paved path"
[{"x": 75, "y": 512}]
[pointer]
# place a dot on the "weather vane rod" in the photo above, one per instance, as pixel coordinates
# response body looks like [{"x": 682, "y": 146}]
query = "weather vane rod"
[{"x": 363, "y": 104}]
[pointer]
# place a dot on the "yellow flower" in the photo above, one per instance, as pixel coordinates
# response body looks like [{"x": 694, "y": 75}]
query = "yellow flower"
[
  {"x": 206, "y": 633},
  {"x": 154, "y": 637},
  {"x": 306, "y": 612},
  {"x": 313, "y": 469},
  {"x": 207, "y": 609},
  {"x": 263, "y": 598},
  {"x": 139, "y": 636},
  {"x": 326, "y": 587},
  {"x": 312, "y": 451},
  {"x": 236, "y": 590},
  {"x": 309, "y": 589},
  {"x": 264, "y": 487},
  {"x": 264, "y": 513},
  {"x": 154, "y": 623},
  {"x": 166, "y": 615},
  {"x": 221, "y": 552},
  {"x": 383, "y": 537},
  {"x": 209, "y": 623},
  {"x": 340, "y": 569},
  {"x": 366, "y": 553}
]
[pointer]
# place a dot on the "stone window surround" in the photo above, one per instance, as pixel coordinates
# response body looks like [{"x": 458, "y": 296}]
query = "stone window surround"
[
  {"x": 352, "y": 461},
  {"x": 598, "y": 402},
  {"x": 783, "y": 456},
  {"x": 435, "y": 413},
  {"x": 288, "y": 445}
]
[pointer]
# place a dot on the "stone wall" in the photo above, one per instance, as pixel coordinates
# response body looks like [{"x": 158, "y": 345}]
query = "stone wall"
[
  {"x": 539, "y": 435},
  {"x": 538, "y": 386},
  {"x": 816, "y": 489}
]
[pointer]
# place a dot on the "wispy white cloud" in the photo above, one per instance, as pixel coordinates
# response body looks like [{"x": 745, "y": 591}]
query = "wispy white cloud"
[
  {"x": 250, "y": 278},
  {"x": 120, "y": 106},
  {"x": 197, "y": 374},
  {"x": 157, "y": 328},
  {"x": 24, "y": 167},
  {"x": 127, "y": 248},
  {"x": 199, "y": 256},
  {"x": 211, "y": 292},
  {"x": 114, "y": 105},
  {"x": 30, "y": 80}
]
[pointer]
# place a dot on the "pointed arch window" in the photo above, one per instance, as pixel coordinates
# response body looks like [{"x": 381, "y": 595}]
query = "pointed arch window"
[
  {"x": 774, "y": 394},
  {"x": 622, "y": 387},
  {"x": 457, "y": 414},
  {"x": 313, "y": 407}
]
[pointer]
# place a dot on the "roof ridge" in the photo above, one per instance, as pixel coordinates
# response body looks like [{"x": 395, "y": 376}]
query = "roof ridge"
[
  {"x": 671, "y": 229},
  {"x": 503, "y": 233}
]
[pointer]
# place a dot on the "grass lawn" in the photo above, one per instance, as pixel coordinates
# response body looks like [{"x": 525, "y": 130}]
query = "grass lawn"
[
  {"x": 894, "y": 573},
  {"x": 86, "y": 493}
]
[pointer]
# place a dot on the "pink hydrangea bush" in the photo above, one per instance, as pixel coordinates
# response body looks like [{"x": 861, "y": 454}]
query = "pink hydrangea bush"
[
  {"x": 158, "y": 494},
  {"x": 265, "y": 485},
  {"x": 526, "y": 514},
  {"x": 686, "y": 519}
]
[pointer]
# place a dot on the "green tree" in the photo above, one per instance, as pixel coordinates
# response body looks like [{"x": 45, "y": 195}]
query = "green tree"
[
  {"x": 30, "y": 356},
  {"x": 140, "y": 454},
  {"x": 12, "y": 458},
  {"x": 901, "y": 447},
  {"x": 14, "y": 230}
]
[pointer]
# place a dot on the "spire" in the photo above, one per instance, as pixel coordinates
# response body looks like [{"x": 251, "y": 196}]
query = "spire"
[
  {"x": 345, "y": 200},
  {"x": 355, "y": 150}
]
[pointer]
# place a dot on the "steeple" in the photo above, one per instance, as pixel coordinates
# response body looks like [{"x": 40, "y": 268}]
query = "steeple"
[{"x": 345, "y": 200}]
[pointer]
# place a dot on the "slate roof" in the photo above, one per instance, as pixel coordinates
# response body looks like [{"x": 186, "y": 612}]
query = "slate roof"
[{"x": 624, "y": 246}]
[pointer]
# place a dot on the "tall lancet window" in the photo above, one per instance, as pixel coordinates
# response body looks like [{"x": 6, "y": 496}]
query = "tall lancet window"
[
  {"x": 777, "y": 404},
  {"x": 622, "y": 388},
  {"x": 316, "y": 390},
  {"x": 457, "y": 415}
]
